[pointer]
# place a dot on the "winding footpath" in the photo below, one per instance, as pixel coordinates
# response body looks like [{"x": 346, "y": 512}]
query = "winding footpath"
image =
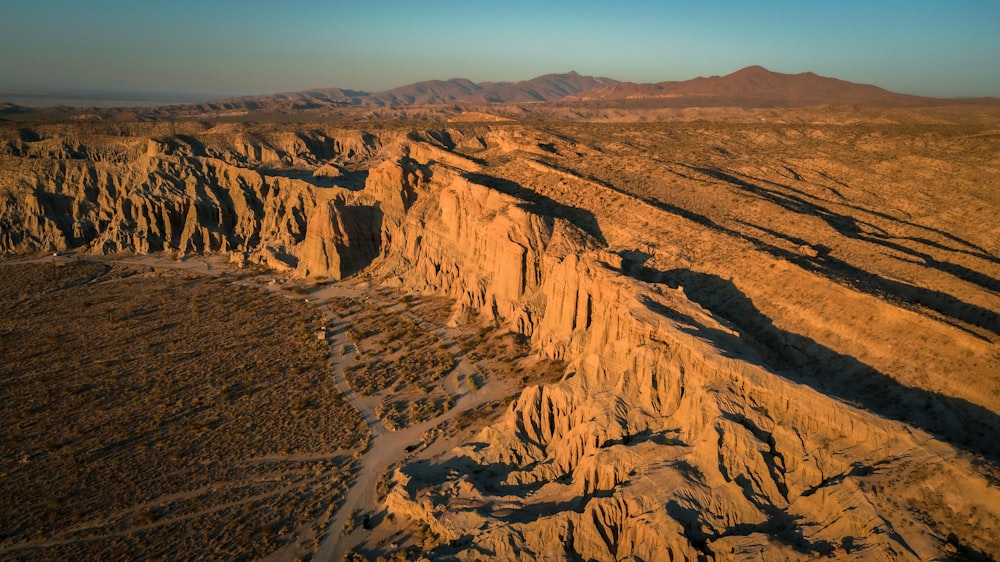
[{"x": 385, "y": 447}]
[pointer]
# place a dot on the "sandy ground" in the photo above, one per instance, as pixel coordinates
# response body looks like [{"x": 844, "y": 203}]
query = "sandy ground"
[{"x": 386, "y": 448}]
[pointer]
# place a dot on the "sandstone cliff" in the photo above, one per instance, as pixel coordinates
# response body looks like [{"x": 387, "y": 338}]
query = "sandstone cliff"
[
  {"x": 665, "y": 436},
  {"x": 254, "y": 197}
]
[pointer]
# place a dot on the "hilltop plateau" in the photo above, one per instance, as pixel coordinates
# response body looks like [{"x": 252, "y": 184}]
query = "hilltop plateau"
[{"x": 636, "y": 330}]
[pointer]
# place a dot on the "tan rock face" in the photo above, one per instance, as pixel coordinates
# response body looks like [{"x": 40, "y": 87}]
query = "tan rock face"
[
  {"x": 340, "y": 239},
  {"x": 183, "y": 195},
  {"x": 689, "y": 423}
]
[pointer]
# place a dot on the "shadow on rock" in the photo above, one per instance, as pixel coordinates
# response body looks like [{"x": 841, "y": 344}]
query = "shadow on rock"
[{"x": 799, "y": 358}]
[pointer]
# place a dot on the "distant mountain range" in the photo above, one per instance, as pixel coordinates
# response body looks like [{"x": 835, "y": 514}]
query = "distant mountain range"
[
  {"x": 753, "y": 86},
  {"x": 550, "y": 87}
]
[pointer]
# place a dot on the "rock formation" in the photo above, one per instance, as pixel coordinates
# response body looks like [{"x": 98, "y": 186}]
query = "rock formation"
[
  {"x": 688, "y": 424},
  {"x": 180, "y": 195},
  {"x": 656, "y": 442}
]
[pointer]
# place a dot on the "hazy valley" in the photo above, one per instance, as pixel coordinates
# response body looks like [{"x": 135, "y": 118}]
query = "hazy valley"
[{"x": 617, "y": 323}]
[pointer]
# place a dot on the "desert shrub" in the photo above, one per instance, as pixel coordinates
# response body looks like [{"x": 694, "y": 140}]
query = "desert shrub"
[
  {"x": 350, "y": 524},
  {"x": 144, "y": 413}
]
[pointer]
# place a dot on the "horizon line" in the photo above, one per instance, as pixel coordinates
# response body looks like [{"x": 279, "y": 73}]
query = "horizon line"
[{"x": 135, "y": 96}]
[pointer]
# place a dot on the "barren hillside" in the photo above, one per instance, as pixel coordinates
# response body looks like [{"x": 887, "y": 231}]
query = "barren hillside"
[{"x": 779, "y": 327}]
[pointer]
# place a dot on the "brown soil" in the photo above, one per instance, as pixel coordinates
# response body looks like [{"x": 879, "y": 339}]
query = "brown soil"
[{"x": 153, "y": 413}]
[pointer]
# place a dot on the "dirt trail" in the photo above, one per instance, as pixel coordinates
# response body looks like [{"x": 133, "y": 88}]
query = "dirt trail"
[{"x": 385, "y": 447}]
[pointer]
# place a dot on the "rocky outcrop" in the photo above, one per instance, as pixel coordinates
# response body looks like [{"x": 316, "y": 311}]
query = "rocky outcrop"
[
  {"x": 191, "y": 196},
  {"x": 655, "y": 442},
  {"x": 341, "y": 239}
]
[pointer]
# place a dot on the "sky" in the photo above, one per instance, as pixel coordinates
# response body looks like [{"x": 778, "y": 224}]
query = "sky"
[{"x": 241, "y": 47}]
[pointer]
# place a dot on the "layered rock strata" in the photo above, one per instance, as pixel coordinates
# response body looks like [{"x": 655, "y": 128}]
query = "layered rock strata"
[{"x": 666, "y": 439}]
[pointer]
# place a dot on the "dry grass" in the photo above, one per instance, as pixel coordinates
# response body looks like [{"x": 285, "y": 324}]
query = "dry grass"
[
  {"x": 408, "y": 366},
  {"x": 406, "y": 362},
  {"x": 158, "y": 414}
]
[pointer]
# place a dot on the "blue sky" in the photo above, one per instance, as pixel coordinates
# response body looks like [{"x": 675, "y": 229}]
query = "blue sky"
[{"x": 220, "y": 47}]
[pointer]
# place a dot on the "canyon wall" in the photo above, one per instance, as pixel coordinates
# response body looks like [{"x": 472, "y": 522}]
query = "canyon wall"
[
  {"x": 667, "y": 438},
  {"x": 240, "y": 195}
]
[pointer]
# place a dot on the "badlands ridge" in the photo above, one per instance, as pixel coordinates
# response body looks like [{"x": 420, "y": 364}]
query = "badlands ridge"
[{"x": 780, "y": 327}]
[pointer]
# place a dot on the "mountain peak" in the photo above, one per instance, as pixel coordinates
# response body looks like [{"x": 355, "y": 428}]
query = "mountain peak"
[
  {"x": 753, "y": 70},
  {"x": 755, "y": 86}
]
